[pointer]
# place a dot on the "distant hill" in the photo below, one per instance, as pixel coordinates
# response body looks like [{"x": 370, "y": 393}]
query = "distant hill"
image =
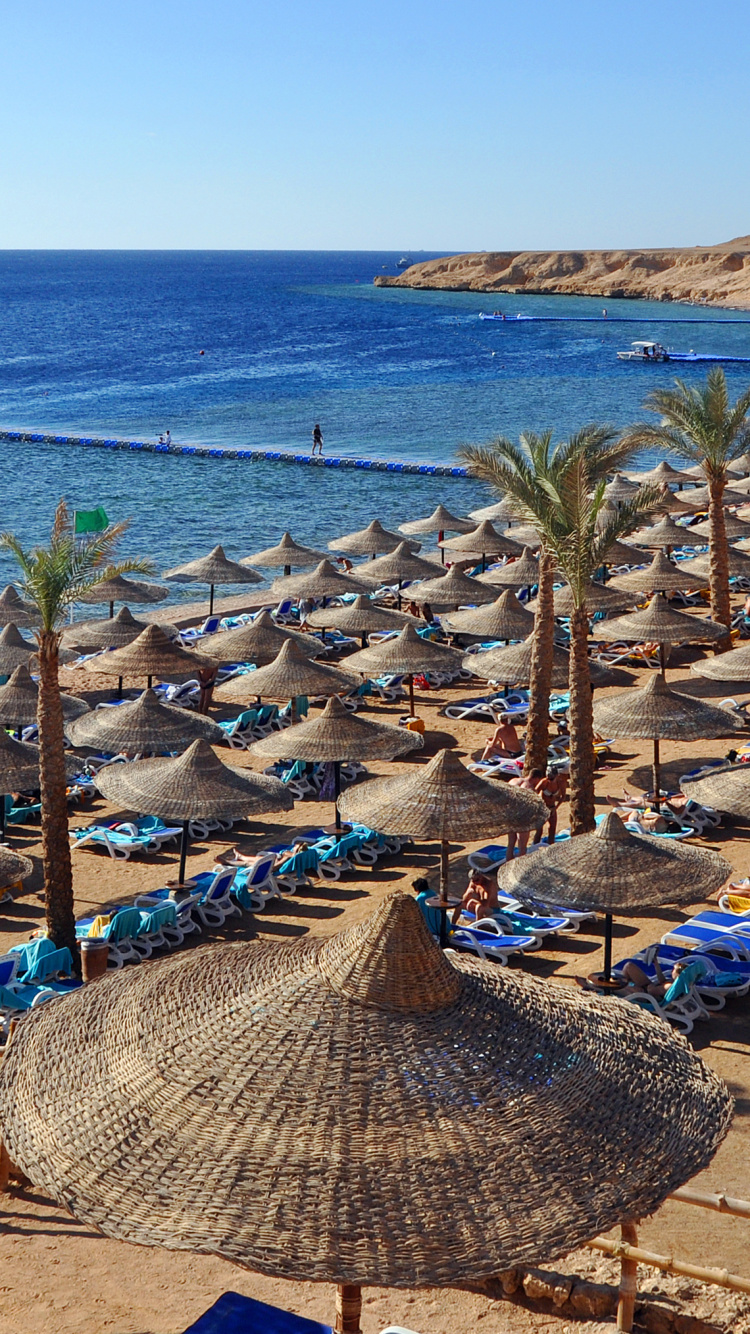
[{"x": 718, "y": 275}]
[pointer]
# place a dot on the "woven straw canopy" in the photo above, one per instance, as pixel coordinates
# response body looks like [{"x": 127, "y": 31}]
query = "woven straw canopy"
[
  {"x": 119, "y": 589},
  {"x": 731, "y": 666},
  {"x": 665, "y": 533},
  {"x": 501, "y": 510},
  {"x": 338, "y": 735},
  {"x": 141, "y": 726},
  {"x": 521, "y": 573},
  {"x": 620, "y": 488},
  {"x": 724, "y": 789},
  {"x": 309, "y": 1127},
  {"x": 440, "y": 521},
  {"x": 734, "y": 527},
  {"x": 620, "y": 553},
  {"x": 15, "y": 651},
  {"x": 524, "y": 535},
  {"x": 505, "y": 619},
  {"x": 193, "y": 786},
  {"x": 290, "y": 674},
  {"x": 116, "y": 632},
  {"x": 658, "y": 624},
  {"x": 215, "y": 568},
  {"x": 370, "y": 541},
  {"x": 286, "y": 552},
  {"x": 662, "y": 475},
  {"x": 322, "y": 582},
  {"x": 742, "y": 464},
  {"x": 13, "y": 867},
  {"x": 152, "y": 653},
  {"x": 14, "y": 611},
  {"x": 451, "y": 589},
  {"x": 442, "y": 800},
  {"x": 260, "y": 642},
  {"x": 659, "y": 714},
  {"x": 700, "y": 566},
  {"x": 403, "y": 656},
  {"x": 394, "y": 568},
  {"x": 742, "y": 485},
  {"x": 614, "y": 871},
  {"x": 512, "y": 666},
  {"x": 598, "y": 598},
  {"x": 18, "y": 701},
  {"x": 483, "y": 541},
  {"x": 19, "y": 763},
  {"x": 360, "y": 617},
  {"x": 661, "y": 576},
  {"x": 669, "y": 502},
  {"x": 698, "y": 472},
  {"x": 700, "y": 496}
]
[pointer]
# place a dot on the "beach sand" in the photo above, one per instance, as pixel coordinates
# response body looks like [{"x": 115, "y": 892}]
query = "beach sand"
[{"x": 59, "y": 1277}]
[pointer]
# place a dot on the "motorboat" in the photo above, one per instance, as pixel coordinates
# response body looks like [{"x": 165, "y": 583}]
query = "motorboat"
[
  {"x": 642, "y": 351},
  {"x": 405, "y": 262}
]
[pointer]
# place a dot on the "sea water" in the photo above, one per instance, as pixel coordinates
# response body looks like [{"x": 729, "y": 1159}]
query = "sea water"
[{"x": 251, "y": 349}]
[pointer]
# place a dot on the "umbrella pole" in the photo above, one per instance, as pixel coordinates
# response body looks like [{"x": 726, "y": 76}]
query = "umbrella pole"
[
  {"x": 348, "y": 1308},
  {"x": 337, "y": 792},
  {"x": 293, "y": 709},
  {"x": 443, "y": 892},
  {"x": 411, "y": 694},
  {"x": 364, "y": 639},
  {"x": 657, "y": 776},
  {"x": 287, "y": 571},
  {"x": 119, "y": 687},
  {"x": 441, "y": 535},
  {"x": 183, "y": 849},
  {"x": 398, "y": 596},
  {"x": 663, "y": 661},
  {"x": 111, "y": 610},
  {"x": 149, "y": 679},
  {"x": 608, "y": 947},
  {"x": 2, "y": 818}
]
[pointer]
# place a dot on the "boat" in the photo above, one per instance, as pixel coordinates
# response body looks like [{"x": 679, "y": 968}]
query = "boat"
[
  {"x": 405, "y": 262},
  {"x": 641, "y": 351}
]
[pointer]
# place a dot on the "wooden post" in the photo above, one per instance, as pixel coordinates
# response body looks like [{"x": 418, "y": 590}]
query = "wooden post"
[
  {"x": 628, "y": 1280},
  {"x": 4, "y": 1168},
  {"x": 657, "y": 776},
  {"x": 348, "y": 1309}
]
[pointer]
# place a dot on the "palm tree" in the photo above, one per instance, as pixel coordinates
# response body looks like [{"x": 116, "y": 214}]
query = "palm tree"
[
  {"x": 560, "y": 490},
  {"x": 53, "y": 577},
  {"x": 699, "y": 423}
]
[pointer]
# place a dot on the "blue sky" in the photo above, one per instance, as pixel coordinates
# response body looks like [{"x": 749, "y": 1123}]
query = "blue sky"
[{"x": 316, "y": 124}]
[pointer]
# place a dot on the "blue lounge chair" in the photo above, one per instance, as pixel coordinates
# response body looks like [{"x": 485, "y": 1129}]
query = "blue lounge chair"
[
  {"x": 124, "y": 927},
  {"x": 709, "y": 929},
  {"x": 255, "y": 883},
  {"x": 234, "y": 1314},
  {"x": 38, "y": 960}
]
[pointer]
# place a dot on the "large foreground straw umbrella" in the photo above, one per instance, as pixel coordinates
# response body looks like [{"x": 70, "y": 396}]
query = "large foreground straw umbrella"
[
  {"x": 19, "y": 701},
  {"x": 442, "y": 801},
  {"x": 285, "y": 554},
  {"x": 213, "y": 569},
  {"x": 374, "y": 540},
  {"x": 726, "y": 789},
  {"x": 406, "y": 655},
  {"x": 338, "y": 737},
  {"x": 657, "y": 714},
  {"x": 506, "y": 618},
  {"x": 142, "y": 726},
  {"x": 120, "y": 589},
  {"x": 661, "y": 576},
  {"x": 151, "y": 654},
  {"x": 193, "y": 786},
  {"x": 612, "y": 871},
  {"x": 327, "y": 1082},
  {"x": 731, "y": 666},
  {"x": 659, "y": 624},
  {"x": 292, "y": 673},
  {"x": 360, "y": 617}
]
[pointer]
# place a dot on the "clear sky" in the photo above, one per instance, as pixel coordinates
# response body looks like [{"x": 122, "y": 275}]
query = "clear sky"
[{"x": 370, "y": 124}]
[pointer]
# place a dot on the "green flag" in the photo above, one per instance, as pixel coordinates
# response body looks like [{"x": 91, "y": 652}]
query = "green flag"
[{"x": 91, "y": 521}]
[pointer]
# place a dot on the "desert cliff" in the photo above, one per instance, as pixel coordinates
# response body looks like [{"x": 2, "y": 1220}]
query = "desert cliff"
[{"x": 718, "y": 275}]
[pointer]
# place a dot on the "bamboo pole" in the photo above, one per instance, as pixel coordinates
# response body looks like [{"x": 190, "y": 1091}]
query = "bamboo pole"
[
  {"x": 719, "y": 1202},
  {"x": 720, "y": 1277},
  {"x": 628, "y": 1280},
  {"x": 348, "y": 1309}
]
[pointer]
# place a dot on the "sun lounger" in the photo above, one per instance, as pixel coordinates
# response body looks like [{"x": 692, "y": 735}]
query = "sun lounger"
[
  {"x": 709, "y": 929},
  {"x": 517, "y": 922},
  {"x": 38, "y": 960},
  {"x": 234, "y": 1314},
  {"x": 216, "y": 902},
  {"x": 489, "y": 707},
  {"x": 488, "y": 940},
  {"x": 119, "y": 930},
  {"x": 123, "y": 839},
  {"x": 681, "y": 1005},
  {"x": 714, "y": 978},
  {"x": 184, "y": 923}
]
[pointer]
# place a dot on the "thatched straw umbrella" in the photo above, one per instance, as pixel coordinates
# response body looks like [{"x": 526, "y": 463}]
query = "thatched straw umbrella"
[
  {"x": 742, "y": 464},
  {"x": 659, "y": 624},
  {"x": 442, "y": 801},
  {"x": 506, "y": 618},
  {"x": 700, "y": 497},
  {"x": 451, "y": 589},
  {"x": 260, "y": 642},
  {"x": 599, "y": 597},
  {"x": 731, "y": 666},
  {"x": 738, "y": 563},
  {"x": 285, "y": 554},
  {"x": 374, "y": 540},
  {"x": 18, "y": 701},
  {"x": 120, "y": 589},
  {"x": 512, "y": 666},
  {"x": 662, "y": 475},
  {"x": 524, "y": 535},
  {"x": 742, "y": 485},
  {"x": 120, "y": 630},
  {"x": 291, "y": 673},
  {"x": 322, "y": 582},
  {"x": 338, "y": 737},
  {"x": 698, "y": 472},
  {"x": 621, "y": 553},
  {"x": 15, "y": 651},
  {"x": 726, "y": 789},
  {"x": 661, "y": 576},
  {"x": 620, "y": 489},
  {"x": 656, "y": 713},
  {"x": 145, "y": 726},
  {"x": 612, "y": 871},
  {"x": 441, "y": 521},
  {"x": 398, "y": 567},
  {"x": 360, "y": 617},
  {"x": 319, "y": 1157},
  {"x": 151, "y": 654},
  {"x": 193, "y": 786},
  {"x": 19, "y": 769},
  {"x": 14, "y": 868},
  {"x": 405, "y": 655},
  {"x": 502, "y": 511},
  {"x": 521, "y": 573},
  {"x": 735, "y": 528},
  {"x": 213, "y": 569},
  {"x": 666, "y": 533},
  {"x": 484, "y": 541},
  {"x": 670, "y": 503},
  {"x": 14, "y": 611}
]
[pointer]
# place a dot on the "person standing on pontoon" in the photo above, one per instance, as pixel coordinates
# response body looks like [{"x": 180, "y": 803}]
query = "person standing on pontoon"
[{"x": 317, "y": 436}]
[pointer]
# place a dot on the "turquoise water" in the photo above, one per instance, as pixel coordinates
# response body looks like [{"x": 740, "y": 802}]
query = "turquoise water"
[{"x": 110, "y": 343}]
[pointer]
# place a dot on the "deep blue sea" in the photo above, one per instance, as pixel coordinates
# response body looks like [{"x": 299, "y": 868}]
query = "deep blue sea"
[{"x": 110, "y": 343}]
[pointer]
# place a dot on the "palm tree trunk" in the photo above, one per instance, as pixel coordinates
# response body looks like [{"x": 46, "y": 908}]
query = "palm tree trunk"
[
  {"x": 581, "y": 727},
  {"x": 718, "y": 554},
  {"x": 540, "y": 682},
  {"x": 58, "y": 869}
]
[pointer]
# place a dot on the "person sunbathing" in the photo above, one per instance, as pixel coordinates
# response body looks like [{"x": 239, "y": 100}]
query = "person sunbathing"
[
  {"x": 504, "y": 743},
  {"x": 520, "y": 837},
  {"x": 480, "y": 898},
  {"x": 636, "y": 979}
]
